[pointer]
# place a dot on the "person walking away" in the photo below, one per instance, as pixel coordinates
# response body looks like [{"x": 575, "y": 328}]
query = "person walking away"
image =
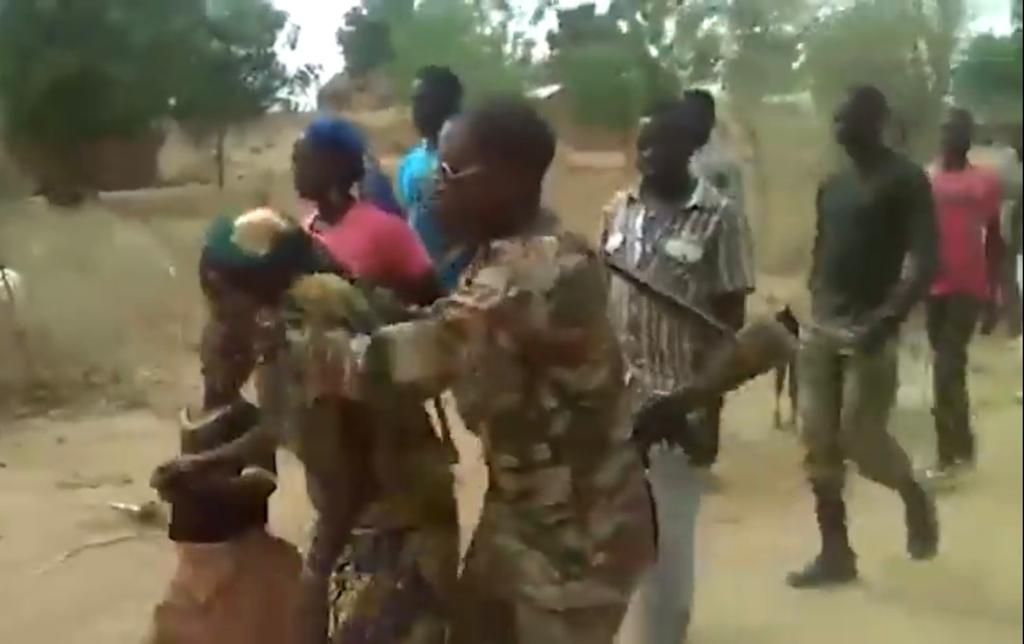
[
  {"x": 525, "y": 345},
  {"x": 437, "y": 97},
  {"x": 874, "y": 258},
  {"x": 235, "y": 583},
  {"x": 676, "y": 233},
  {"x": 716, "y": 163},
  {"x": 967, "y": 203}
]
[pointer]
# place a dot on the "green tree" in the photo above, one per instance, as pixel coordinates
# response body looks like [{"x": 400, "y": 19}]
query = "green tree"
[
  {"x": 233, "y": 73},
  {"x": 365, "y": 35},
  {"x": 610, "y": 65},
  {"x": 988, "y": 77},
  {"x": 903, "y": 46},
  {"x": 397, "y": 37},
  {"x": 74, "y": 72},
  {"x": 458, "y": 35}
]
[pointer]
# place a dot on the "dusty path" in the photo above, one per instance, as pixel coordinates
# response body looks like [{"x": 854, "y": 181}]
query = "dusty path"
[{"x": 57, "y": 475}]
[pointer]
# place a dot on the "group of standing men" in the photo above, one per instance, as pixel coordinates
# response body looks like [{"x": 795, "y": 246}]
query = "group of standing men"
[{"x": 356, "y": 322}]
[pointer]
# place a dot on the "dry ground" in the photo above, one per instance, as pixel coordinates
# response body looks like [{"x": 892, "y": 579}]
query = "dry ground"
[
  {"x": 110, "y": 323},
  {"x": 58, "y": 474}
]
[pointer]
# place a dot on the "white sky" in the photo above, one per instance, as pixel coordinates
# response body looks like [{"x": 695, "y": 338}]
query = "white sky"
[{"x": 319, "y": 20}]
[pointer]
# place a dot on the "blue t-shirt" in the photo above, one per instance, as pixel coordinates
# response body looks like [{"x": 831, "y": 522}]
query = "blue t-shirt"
[
  {"x": 376, "y": 188},
  {"x": 416, "y": 176}
]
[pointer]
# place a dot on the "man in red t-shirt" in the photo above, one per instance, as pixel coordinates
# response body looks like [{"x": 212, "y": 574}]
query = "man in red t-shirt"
[{"x": 967, "y": 204}]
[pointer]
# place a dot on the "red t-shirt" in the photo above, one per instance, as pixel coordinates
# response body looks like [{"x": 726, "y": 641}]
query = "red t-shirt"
[
  {"x": 966, "y": 202},
  {"x": 375, "y": 246}
]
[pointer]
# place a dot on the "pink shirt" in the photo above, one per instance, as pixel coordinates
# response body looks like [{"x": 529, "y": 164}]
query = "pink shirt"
[
  {"x": 966, "y": 203},
  {"x": 376, "y": 246}
]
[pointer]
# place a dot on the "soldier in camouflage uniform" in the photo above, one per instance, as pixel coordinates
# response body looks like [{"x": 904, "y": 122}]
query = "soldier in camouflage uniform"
[
  {"x": 399, "y": 483},
  {"x": 525, "y": 346}
]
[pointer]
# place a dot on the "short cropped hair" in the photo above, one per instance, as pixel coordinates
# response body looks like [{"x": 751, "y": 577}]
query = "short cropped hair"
[{"x": 511, "y": 130}]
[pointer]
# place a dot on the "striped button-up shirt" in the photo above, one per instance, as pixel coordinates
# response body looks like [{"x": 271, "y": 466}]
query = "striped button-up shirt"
[{"x": 693, "y": 250}]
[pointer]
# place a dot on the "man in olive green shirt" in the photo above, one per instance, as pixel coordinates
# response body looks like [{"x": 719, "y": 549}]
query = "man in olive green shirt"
[{"x": 874, "y": 257}]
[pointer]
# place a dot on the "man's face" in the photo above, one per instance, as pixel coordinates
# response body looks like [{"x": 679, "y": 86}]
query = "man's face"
[
  {"x": 854, "y": 125},
  {"x": 316, "y": 172},
  {"x": 466, "y": 192},
  {"x": 428, "y": 111},
  {"x": 662, "y": 160},
  {"x": 956, "y": 134}
]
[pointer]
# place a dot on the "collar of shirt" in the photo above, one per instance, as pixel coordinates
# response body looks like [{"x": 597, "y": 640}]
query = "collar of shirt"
[{"x": 704, "y": 197}]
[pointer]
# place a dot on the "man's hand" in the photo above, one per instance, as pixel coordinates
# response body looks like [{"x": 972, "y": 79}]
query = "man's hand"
[
  {"x": 870, "y": 339},
  {"x": 663, "y": 419}
]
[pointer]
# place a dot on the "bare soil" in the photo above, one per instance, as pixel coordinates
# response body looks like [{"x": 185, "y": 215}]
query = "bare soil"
[{"x": 110, "y": 323}]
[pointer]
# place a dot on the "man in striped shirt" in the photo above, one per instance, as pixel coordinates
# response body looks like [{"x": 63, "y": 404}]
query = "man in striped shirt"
[{"x": 676, "y": 234}]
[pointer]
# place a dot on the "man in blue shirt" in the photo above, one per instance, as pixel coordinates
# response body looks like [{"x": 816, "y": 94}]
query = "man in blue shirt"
[{"x": 437, "y": 96}]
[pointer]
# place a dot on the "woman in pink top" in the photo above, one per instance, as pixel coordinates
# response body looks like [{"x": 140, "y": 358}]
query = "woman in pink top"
[
  {"x": 368, "y": 242},
  {"x": 967, "y": 204}
]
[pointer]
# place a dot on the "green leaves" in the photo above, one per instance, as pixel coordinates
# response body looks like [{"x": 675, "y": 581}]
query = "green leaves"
[
  {"x": 988, "y": 77},
  {"x": 902, "y": 46},
  {"x": 73, "y": 71}
]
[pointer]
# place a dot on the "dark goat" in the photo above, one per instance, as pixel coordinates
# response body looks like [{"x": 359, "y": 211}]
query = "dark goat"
[{"x": 786, "y": 374}]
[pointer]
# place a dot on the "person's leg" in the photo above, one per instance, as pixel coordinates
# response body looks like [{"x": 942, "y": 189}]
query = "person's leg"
[
  {"x": 952, "y": 402},
  {"x": 821, "y": 377},
  {"x": 661, "y": 607},
  {"x": 869, "y": 393},
  {"x": 938, "y": 323},
  {"x": 339, "y": 483}
]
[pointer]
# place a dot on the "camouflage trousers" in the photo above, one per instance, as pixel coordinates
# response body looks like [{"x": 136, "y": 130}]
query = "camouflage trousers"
[
  {"x": 484, "y": 618},
  {"x": 487, "y": 610},
  {"x": 846, "y": 399}
]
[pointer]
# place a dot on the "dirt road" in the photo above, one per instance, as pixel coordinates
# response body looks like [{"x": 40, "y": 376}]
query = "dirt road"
[{"x": 58, "y": 474}]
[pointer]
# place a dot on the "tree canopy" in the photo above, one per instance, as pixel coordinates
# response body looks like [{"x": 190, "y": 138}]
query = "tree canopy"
[
  {"x": 904, "y": 47},
  {"x": 79, "y": 71},
  {"x": 397, "y": 37},
  {"x": 988, "y": 78}
]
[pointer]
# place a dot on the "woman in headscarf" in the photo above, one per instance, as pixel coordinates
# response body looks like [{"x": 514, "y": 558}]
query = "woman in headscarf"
[{"x": 247, "y": 266}]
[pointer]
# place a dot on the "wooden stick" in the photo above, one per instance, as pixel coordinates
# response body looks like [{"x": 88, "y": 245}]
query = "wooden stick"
[{"x": 89, "y": 545}]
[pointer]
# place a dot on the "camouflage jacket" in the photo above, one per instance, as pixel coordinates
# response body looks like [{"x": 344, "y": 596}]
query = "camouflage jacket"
[{"x": 525, "y": 347}]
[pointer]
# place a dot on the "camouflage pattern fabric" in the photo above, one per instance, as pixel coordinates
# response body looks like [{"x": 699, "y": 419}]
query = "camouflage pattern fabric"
[
  {"x": 525, "y": 346},
  {"x": 387, "y": 470},
  {"x": 381, "y": 595},
  {"x": 382, "y": 468}
]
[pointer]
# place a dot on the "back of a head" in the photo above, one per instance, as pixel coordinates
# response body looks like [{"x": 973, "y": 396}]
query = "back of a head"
[
  {"x": 870, "y": 102},
  {"x": 509, "y": 131},
  {"x": 962, "y": 117},
  {"x": 438, "y": 95},
  {"x": 679, "y": 122},
  {"x": 704, "y": 98}
]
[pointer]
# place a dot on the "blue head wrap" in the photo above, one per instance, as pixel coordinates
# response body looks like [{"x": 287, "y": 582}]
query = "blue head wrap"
[{"x": 338, "y": 136}]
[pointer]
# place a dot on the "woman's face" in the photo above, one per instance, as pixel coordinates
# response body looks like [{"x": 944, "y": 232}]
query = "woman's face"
[
  {"x": 465, "y": 191},
  {"x": 317, "y": 174},
  {"x": 304, "y": 175}
]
